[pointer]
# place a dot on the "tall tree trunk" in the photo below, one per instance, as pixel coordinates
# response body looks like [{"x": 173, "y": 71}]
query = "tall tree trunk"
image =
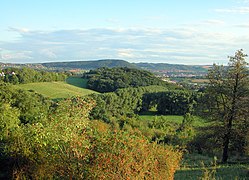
[
  {"x": 230, "y": 121},
  {"x": 226, "y": 141}
]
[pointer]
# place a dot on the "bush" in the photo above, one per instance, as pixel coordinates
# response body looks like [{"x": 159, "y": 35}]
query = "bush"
[{"x": 120, "y": 155}]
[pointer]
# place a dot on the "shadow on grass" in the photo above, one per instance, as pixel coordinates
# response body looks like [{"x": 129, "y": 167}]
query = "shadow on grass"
[{"x": 77, "y": 81}]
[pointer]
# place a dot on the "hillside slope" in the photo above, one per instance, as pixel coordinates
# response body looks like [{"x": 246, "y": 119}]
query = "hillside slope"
[{"x": 55, "y": 90}]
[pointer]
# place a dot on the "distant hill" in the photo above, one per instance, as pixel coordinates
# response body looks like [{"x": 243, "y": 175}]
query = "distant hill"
[
  {"x": 87, "y": 65},
  {"x": 171, "y": 67},
  {"x": 110, "y": 63}
]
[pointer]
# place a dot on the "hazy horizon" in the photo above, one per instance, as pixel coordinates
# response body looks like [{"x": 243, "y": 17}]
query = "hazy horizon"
[{"x": 188, "y": 32}]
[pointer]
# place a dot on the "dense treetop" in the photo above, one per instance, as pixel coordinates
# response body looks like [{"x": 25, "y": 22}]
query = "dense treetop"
[{"x": 110, "y": 79}]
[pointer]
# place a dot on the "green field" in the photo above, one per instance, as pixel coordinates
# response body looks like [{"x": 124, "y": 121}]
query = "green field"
[{"x": 56, "y": 90}]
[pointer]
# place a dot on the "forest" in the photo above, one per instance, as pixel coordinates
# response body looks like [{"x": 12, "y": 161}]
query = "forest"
[
  {"x": 124, "y": 131},
  {"x": 111, "y": 79}
]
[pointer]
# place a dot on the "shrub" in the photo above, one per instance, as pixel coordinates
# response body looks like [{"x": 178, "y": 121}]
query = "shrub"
[
  {"x": 68, "y": 145},
  {"x": 120, "y": 155}
]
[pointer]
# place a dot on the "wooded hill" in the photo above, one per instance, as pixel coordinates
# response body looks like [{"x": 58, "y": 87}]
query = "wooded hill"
[
  {"x": 87, "y": 65},
  {"x": 94, "y": 64},
  {"x": 110, "y": 63},
  {"x": 111, "y": 79}
]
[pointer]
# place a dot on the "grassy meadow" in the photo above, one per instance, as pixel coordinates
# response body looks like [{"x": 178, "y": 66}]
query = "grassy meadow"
[{"x": 58, "y": 90}]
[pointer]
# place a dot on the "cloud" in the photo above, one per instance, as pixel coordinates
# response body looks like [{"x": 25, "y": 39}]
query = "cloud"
[
  {"x": 125, "y": 53},
  {"x": 188, "y": 45},
  {"x": 243, "y": 1},
  {"x": 213, "y": 22},
  {"x": 237, "y": 10},
  {"x": 245, "y": 25},
  {"x": 20, "y": 30},
  {"x": 5, "y": 55}
]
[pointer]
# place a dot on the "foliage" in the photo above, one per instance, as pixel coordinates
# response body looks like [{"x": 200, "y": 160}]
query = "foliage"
[
  {"x": 68, "y": 145},
  {"x": 125, "y": 156},
  {"x": 57, "y": 146},
  {"x": 9, "y": 120},
  {"x": 33, "y": 107},
  {"x": 111, "y": 79},
  {"x": 207, "y": 140},
  {"x": 172, "y": 102},
  {"x": 122, "y": 102}
]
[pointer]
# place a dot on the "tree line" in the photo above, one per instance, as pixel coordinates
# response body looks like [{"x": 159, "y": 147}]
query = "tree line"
[{"x": 28, "y": 75}]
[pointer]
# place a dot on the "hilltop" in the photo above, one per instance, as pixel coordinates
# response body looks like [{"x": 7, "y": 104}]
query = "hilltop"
[{"x": 87, "y": 65}]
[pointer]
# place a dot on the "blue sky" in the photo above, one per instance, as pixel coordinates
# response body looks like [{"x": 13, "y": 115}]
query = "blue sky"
[{"x": 170, "y": 31}]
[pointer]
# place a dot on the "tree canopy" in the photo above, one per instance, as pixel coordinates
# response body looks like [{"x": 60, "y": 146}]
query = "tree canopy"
[
  {"x": 228, "y": 97},
  {"x": 28, "y": 75},
  {"x": 111, "y": 79}
]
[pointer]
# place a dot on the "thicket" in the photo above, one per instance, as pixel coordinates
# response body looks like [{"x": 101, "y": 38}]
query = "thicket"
[{"x": 28, "y": 75}]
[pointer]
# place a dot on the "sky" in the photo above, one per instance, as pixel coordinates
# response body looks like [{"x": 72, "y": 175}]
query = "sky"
[{"x": 199, "y": 32}]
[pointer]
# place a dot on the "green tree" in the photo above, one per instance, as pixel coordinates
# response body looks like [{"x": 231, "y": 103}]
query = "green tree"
[
  {"x": 8, "y": 120},
  {"x": 228, "y": 95},
  {"x": 110, "y": 79}
]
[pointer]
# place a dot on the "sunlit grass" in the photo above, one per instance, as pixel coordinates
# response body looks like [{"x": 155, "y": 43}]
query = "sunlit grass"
[{"x": 55, "y": 90}]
